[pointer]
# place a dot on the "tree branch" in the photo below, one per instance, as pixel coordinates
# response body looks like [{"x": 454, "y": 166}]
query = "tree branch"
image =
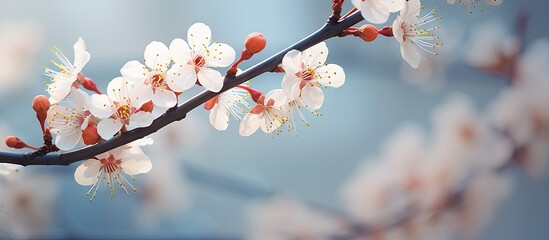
[{"x": 327, "y": 31}]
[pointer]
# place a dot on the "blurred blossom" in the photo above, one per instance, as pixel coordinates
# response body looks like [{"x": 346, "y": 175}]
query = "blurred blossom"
[
  {"x": 28, "y": 204},
  {"x": 463, "y": 137},
  {"x": 378, "y": 193},
  {"x": 521, "y": 110},
  {"x": 163, "y": 194},
  {"x": 491, "y": 47},
  {"x": 19, "y": 44},
  {"x": 283, "y": 218},
  {"x": 433, "y": 189},
  {"x": 181, "y": 138}
]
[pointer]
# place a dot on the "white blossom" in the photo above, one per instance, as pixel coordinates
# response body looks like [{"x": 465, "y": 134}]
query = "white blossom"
[
  {"x": 409, "y": 31},
  {"x": 282, "y": 218},
  {"x": 110, "y": 168},
  {"x": 69, "y": 120},
  {"x": 196, "y": 58},
  {"x": 121, "y": 107},
  {"x": 63, "y": 80},
  {"x": 155, "y": 75}
]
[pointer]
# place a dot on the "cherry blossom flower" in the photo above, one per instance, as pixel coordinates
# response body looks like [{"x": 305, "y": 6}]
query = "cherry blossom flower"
[
  {"x": 378, "y": 11},
  {"x": 195, "y": 59},
  {"x": 120, "y": 107},
  {"x": 110, "y": 167},
  {"x": 63, "y": 80},
  {"x": 222, "y": 107},
  {"x": 306, "y": 73},
  {"x": 285, "y": 218},
  {"x": 268, "y": 113},
  {"x": 408, "y": 31},
  {"x": 69, "y": 120},
  {"x": 155, "y": 74}
]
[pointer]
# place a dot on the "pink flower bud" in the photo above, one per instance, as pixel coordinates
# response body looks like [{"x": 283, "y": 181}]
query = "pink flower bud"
[
  {"x": 15, "y": 142},
  {"x": 255, "y": 42},
  {"x": 40, "y": 104},
  {"x": 89, "y": 84},
  {"x": 368, "y": 32}
]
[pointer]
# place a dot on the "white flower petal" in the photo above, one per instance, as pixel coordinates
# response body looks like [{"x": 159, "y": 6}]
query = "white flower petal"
[
  {"x": 135, "y": 71},
  {"x": 292, "y": 62},
  {"x": 136, "y": 163},
  {"x": 59, "y": 89},
  {"x": 140, "y": 119},
  {"x": 85, "y": 123},
  {"x": 249, "y": 125},
  {"x": 81, "y": 56},
  {"x": 315, "y": 56},
  {"x": 164, "y": 98},
  {"x": 219, "y": 118},
  {"x": 108, "y": 127},
  {"x": 396, "y": 5},
  {"x": 210, "y": 79},
  {"x": 219, "y": 55},
  {"x": 86, "y": 173},
  {"x": 410, "y": 53},
  {"x": 374, "y": 11},
  {"x": 291, "y": 85},
  {"x": 140, "y": 94},
  {"x": 199, "y": 37},
  {"x": 118, "y": 90},
  {"x": 278, "y": 96},
  {"x": 397, "y": 30},
  {"x": 181, "y": 77},
  {"x": 101, "y": 106},
  {"x": 179, "y": 49},
  {"x": 330, "y": 75},
  {"x": 312, "y": 97},
  {"x": 81, "y": 99},
  {"x": 68, "y": 142},
  {"x": 157, "y": 56}
]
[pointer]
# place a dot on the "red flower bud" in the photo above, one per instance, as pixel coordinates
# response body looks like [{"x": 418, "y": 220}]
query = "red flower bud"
[
  {"x": 15, "y": 142},
  {"x": 89, "y": 84},
  {"x": 255, "y": 42},
  {"x": 90, "y": 135},
  {"x": 40, "y": 104},
  {"x": 368, "y": 32}
]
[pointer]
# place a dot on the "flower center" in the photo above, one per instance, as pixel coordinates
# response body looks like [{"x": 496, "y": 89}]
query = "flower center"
[
  {"x": 308, "y": 74},
  {"x": 124, "y": 111},
  {"x": 199, "y": 61},
  {"x": 403, "y": 27},
  {"x": 157, "y": 80},
  {"x": 110, "y": 164}
]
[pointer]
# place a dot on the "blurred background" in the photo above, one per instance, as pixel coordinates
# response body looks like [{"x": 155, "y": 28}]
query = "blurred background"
[{"x": 204, "y": 181}]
